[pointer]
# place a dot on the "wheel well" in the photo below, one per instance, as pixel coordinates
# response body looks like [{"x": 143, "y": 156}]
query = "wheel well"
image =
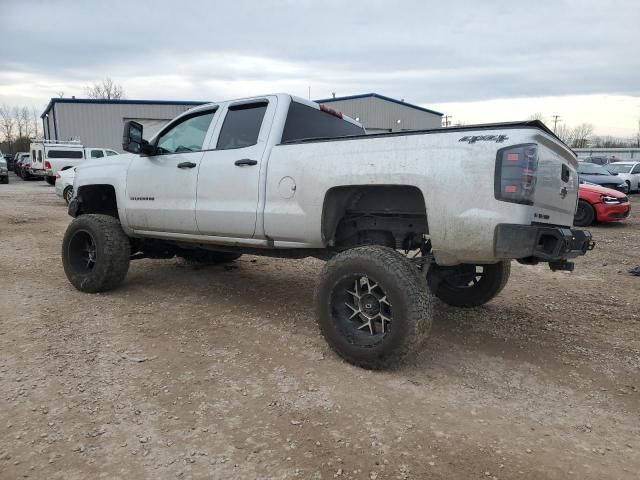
[
  {"x": 98, "y": 199},
  {"x": 391, "y": 215}
]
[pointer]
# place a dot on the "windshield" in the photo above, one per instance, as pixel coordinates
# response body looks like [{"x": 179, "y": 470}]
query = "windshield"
[
  {"x": 613, "y": 168},
  {"x": 592, "y": 169}
]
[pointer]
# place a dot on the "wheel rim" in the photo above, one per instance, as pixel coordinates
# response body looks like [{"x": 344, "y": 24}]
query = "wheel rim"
[
  {"x": 361, "y": 310},
  {"x": 464, "y": 276},
  {"x": 82, "y": 252},
  {"x": 68, "y": 194}
]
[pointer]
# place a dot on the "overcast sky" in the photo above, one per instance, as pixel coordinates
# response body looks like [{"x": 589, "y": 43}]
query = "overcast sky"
[{"x": 478, "y": 61}]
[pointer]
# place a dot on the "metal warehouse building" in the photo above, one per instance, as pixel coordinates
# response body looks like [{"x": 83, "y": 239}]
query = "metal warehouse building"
[
  {"x": 378, "y": 113},
  {"x": 99, "y": 123}
]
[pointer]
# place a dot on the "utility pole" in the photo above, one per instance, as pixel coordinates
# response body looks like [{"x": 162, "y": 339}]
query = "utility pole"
[
  {"x": 555, "y": 121},
  {"x": 447, "y": 121}
]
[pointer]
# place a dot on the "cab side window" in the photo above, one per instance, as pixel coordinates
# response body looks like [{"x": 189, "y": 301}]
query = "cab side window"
[
  {"x": 186, "y": 136},
  {"x": 111, "y": 153},
  {"x": 241, "y": 126},
  {"x": 97, "y": 154}
]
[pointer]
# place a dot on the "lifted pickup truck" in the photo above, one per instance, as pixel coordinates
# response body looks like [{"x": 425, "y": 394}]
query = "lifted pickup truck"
[{"x": 393, "y": 214}]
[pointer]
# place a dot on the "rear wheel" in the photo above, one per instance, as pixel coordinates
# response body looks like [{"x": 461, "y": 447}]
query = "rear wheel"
[
  {"x": 95, "y": 253},
  {"x": 68, "y": 194},
  {"x": 51, "y": 180},
  {"x": 468, "y": 285},
  {"x": 373, "y": 307},
  {"x": 585, "y": 214}
]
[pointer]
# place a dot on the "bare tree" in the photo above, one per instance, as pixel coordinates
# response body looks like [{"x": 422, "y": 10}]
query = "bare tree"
[
  {"x": 581, "y": 135},
  {"x": 537, "y": 116},
  {"x": 7, "y": 124},
  {"x": 106, "y": 89},
  {"x": 60, "y": 93},
  {"x": 565, "y": 133},
  {"x": 35, "y": 118}
]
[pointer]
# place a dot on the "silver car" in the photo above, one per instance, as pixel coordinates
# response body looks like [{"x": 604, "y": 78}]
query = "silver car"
[
  {"x": 627, "y": 171},
  {"x": 4, "y": 172}
]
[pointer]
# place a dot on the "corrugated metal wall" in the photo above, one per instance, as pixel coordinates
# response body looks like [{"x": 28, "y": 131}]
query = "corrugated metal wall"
[
  {"x": 100, "y": 125},
  {"x": 379, "y": 115}
]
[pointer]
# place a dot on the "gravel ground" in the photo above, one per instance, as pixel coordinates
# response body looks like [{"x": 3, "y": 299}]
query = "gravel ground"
[{"x": 214, "y": 372}]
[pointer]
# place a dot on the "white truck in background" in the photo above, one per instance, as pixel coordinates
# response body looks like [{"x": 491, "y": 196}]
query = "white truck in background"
[
  {"x": 50, "y": 156},
  {"x": 398, "y": 216}
]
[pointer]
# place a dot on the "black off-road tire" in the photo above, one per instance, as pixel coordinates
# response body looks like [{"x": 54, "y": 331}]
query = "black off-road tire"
[
  {"x": 493, "y": 280},
  {"x": 585, "y": 214},
  {"x": 410, "y": 307},
  {"x": 112, "y": 252},
  {"x": 50, "y": 180},
  {"x": 210, "y": 256}
]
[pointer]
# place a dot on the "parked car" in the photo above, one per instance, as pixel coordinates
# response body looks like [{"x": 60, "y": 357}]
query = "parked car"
[
  {"x": 26, "y": 171},
  {"x": 599, "y": 204},
  {"x": 597, "y": 174},
  {"x": 18, "y": 159},
  {"x": 4, "y": 171},
  {"x": 629, "y": 172},
  {"x": 283, "y": 176},
  {"x": 64, "y": 184},
  {"x": 9, "y": 158},
  {"x": 50, "y": 157}
]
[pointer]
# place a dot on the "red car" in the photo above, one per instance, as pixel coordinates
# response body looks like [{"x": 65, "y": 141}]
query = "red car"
[{"x": 599, "y": 204}]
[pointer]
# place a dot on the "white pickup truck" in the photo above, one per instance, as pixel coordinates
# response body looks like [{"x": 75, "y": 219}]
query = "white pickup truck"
[
  {"x": 48, "y": 157},
  {"x": 397, "y": 216}
]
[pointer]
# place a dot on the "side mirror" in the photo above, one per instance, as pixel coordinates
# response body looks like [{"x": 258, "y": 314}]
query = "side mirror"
[{"x": 132, "y": 140}]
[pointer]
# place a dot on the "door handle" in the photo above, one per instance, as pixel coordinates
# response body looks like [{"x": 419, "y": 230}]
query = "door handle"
[
  {"x": 186, "y": 165},
  {"x": 245, "y": 161}
]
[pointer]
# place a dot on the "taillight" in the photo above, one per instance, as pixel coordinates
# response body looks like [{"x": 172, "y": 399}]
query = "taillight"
[
  {"x": 516, "y": 169},
  {"x": 47, "y": 164}
]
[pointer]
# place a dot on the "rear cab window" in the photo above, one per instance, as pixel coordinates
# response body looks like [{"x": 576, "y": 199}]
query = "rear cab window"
[{"x": 305, "y": 122}]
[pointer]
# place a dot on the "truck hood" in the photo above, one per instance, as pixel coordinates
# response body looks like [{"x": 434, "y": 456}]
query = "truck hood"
[{"x": 115, "y": 160}]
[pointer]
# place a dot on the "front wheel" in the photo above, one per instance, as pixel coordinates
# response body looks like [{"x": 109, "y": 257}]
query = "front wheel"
[
  {"x": 373, "y": 307},
  {"x": 95, "y": 253},
  {"x": 468, "y": 285},
  {"x": 585, "y": 214}
]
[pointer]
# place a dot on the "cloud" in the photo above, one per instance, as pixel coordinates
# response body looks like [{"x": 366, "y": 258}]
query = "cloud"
[{"x": 427, "y": 52}]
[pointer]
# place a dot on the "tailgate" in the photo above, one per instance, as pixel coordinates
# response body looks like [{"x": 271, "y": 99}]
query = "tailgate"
[{"x": 556, "y": 192}]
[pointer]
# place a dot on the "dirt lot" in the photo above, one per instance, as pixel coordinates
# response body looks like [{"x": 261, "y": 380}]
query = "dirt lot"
[{"x": 211, "y": 372}]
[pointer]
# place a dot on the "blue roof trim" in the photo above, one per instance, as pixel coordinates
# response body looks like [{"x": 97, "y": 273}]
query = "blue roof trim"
[
  {"x": 381, "y": 97},
  {"x": 118, "y": 102}
]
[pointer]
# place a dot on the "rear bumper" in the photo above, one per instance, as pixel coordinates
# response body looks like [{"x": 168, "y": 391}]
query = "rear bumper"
[
  {"x": 612, "y": 213},
  {"x": 534, "y": 243}
]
